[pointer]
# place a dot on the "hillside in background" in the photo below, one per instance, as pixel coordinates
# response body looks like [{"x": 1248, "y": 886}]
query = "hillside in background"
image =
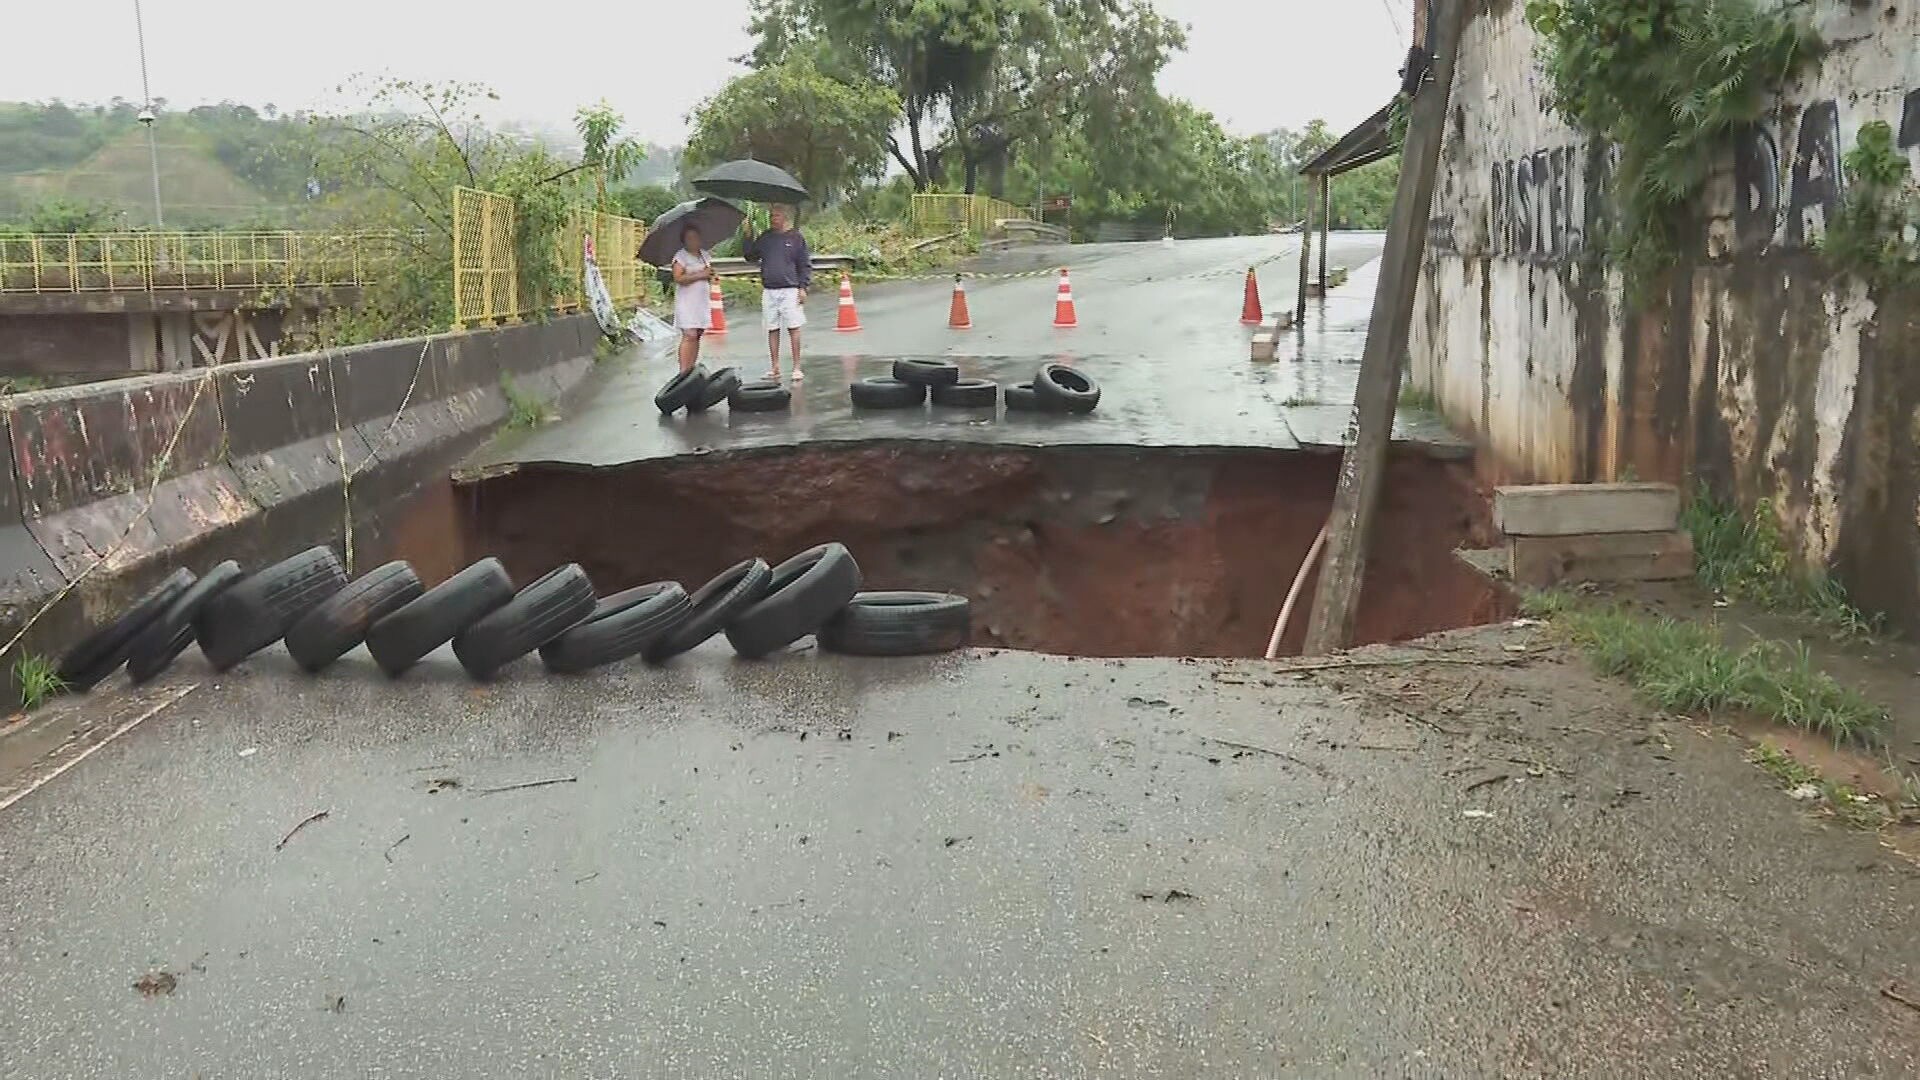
[{"x": 221, "y": 166}]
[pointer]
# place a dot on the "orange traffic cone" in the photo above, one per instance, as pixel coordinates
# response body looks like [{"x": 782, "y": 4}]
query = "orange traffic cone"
[
  {"x": 1063, "y": 314},
  {"x": 1251, "y": 313},
  {"x": 849, "y": 315},
  {"x": 957, "y": 317},
  {"x": 719, "y": 316}
]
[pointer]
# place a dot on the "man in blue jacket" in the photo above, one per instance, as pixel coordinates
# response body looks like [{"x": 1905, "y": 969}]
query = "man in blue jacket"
[{"x": 786, "y": 271}]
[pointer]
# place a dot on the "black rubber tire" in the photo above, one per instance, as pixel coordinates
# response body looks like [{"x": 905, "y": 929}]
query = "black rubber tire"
[
  {"x": 255, "y": 611},
  {"x": 405, "y": 637},
  {"x": 884, "y": 392},
  {"x": 166, "y": 637},
  {"x": 899, "y": 624},
  {"x": 926, "y": 372},
  {"x": 762, "y": 395},
  {"x": 1020, "y": 398},
  {"x": 622, "y": 625},
  {"x": 967, "y": 394},
  {"x": 101, "y": 652},
  {"x": 331, "y": 630},
  {"x": 681, "y": 391},
  {"x": 1059, "y": 388},
  {"x": 555, "y": 603},
  {"x": 714, "y": 605},
  {"x": 806, "y": 591},
  {"x": 720, "y": 385}
]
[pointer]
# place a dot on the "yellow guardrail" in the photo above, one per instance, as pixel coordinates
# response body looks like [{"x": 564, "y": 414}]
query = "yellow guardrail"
[
  {"x": 977, "y": 214},
  {"x": 173, "y": 261},
  {"x": 486, "y": 276}
]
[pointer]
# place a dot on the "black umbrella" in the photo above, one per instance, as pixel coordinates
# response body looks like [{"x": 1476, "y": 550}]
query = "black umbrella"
[
  {"x": 752, "y": 181},
  {"x": 716, "y": 219}
]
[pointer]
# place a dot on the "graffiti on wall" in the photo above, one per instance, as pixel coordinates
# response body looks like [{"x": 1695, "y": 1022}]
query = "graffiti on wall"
[{"x": 1545, "y": 206}]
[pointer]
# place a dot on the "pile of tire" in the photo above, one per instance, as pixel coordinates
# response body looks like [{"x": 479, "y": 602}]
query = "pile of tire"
[
  {"x": 697, "y": 391},
  {"x": 1055, "y": 388},
  {"x": 308, "y": 602}
]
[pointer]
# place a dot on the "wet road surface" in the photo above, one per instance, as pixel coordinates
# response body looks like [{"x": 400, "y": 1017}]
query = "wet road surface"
[
  {"x": 1158, "y": 329},
  {"x": 1002, "y": 865}
]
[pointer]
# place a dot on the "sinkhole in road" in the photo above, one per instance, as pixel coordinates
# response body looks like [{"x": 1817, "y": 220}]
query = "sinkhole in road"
[{"x": 1077, "y": 551}]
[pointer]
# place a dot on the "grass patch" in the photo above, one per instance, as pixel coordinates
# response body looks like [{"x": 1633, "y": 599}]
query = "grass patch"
[
  {"x": 1744, "y": 557},
  {"x": 605, "y": 348},
  {"x": 1418, "y": 397},
  {"x": 38, "y": 679},
  {"x": 1840, "y": 800},
  {"x": 1300, "y": 400},
  {"x": 524, "y": 411},
  {"x": 1683, "y": 667}
]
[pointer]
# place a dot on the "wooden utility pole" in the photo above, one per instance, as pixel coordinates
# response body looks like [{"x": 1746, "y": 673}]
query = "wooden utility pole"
[{"x": 1363, "y": 467}]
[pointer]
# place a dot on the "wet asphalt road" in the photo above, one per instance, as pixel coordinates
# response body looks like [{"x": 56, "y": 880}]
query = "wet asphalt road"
[
  {"x": 1159, "y": 329},
  {"x": 976, "y": 866}
]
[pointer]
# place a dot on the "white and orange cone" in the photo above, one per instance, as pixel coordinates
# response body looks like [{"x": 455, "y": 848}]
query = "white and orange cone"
[
  {"x": 1251, "y": 314},
  {"x": 849, "y": 315},
  {"x": 719, "y": 316},
  {"x": 1063, "y": 312},
  {"x": 957, "y": 316}
]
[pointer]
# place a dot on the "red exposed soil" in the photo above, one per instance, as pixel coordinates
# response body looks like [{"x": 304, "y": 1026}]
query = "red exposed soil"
[{"x": 1085, "y": 552}]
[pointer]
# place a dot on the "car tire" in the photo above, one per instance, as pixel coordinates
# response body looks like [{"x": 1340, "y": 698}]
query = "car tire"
[
  {"x": 101, "y": 652},
  {"x": 720, "y": 386},
  {"x": 926, "y": 372},
  {"x": 255, "y": 611},
  {"x": 713, "y": 606},
  {"x": 883, "y": 392},
  {"x": 1021, "y": 398},
  {"x": 967, "y": 394},
  {"x": 805, "y": 592},
  {"x": 1059, "y": 388},
  {"x": 763, "y": 395},
  {"x": 554, "y": 604},
  {"x": 166, "y": 637},
  {"x": 405, "y": 637},
  {"x": 330, "y": 631},
  {"x": 899, "y": 624},
  {"x": 622, "y": 625},
  {"x": 681, "y": 391}
]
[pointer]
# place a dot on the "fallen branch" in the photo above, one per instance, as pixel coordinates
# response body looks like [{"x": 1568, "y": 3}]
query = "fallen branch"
[
  {"x": 1317, "y": 770},
  {"x": 1891, "y": 994},
  {"x": 388, "y": 854},
  {"x": 528, "y": 784},
  {"x": 321, "y": 815},
  {"x": 1485, "y": 782}
]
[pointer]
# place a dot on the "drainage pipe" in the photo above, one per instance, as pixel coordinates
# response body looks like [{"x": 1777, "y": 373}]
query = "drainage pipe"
[{"x": 1293, "y": 594}]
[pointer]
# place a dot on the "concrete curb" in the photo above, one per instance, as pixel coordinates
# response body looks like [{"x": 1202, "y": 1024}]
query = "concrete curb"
[{"x": 268, "y": 457}]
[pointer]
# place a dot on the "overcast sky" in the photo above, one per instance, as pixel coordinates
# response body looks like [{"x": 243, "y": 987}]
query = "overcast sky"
[{"x": 1255, "y": 65}]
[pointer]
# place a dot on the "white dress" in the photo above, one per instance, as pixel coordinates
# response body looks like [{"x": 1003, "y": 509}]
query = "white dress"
[{"x": 693, "y": 302}]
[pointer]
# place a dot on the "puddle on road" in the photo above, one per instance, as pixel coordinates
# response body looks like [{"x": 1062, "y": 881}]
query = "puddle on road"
[{"x": 1091, "y": 552}]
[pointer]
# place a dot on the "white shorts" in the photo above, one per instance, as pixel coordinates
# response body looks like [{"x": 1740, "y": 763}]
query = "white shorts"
[{"x": 780, "y": 309}]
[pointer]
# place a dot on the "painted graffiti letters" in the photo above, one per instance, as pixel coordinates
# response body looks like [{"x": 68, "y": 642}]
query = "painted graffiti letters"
[{"x": 1537, "y": 208}]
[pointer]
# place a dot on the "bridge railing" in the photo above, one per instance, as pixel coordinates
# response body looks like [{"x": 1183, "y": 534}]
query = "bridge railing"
[
  {"x": 486, "y": 275},
  {"x": 977, "y": 214},
  {"x": 176, "y": 261}
]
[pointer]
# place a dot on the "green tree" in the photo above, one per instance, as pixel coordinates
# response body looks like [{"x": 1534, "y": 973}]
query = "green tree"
[
  {"x": 830, "y": 133},
  {"x": 604, "y": 151},
  {"x": 646, "y": 202}
]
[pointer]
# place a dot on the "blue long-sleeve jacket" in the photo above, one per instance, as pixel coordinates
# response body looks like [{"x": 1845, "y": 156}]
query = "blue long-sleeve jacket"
[{"x": 785, "y": 262}]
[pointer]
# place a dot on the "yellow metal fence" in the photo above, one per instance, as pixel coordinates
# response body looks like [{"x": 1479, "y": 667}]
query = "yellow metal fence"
[
  {"x": 977, "y": 214},
  {"x": 168, "y": 261},
  {"x": 486, "y": 277}
]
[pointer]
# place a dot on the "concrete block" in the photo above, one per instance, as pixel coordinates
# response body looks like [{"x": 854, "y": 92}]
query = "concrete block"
[
  {"x": 1543, "y": 561},
  {"x": 86, "y": 458},
  {"x": 1577, "y": 509},
  {"x": 1263, "y": 345}
]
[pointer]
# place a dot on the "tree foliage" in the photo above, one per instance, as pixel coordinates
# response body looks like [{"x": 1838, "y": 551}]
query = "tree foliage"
[
  {"x": 830, "y": 133},
  {"x": 1669, "y": 82}
]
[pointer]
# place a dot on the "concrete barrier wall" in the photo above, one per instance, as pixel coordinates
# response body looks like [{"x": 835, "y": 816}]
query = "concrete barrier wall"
[{"x": 267, "y": 458}]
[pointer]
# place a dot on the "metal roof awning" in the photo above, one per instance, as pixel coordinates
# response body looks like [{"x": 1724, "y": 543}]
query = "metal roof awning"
[{"x": 1370, "y": 141}]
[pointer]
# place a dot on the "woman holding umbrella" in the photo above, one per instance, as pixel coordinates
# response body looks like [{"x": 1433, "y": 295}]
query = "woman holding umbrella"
[{"x": 692, "y": 297}]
